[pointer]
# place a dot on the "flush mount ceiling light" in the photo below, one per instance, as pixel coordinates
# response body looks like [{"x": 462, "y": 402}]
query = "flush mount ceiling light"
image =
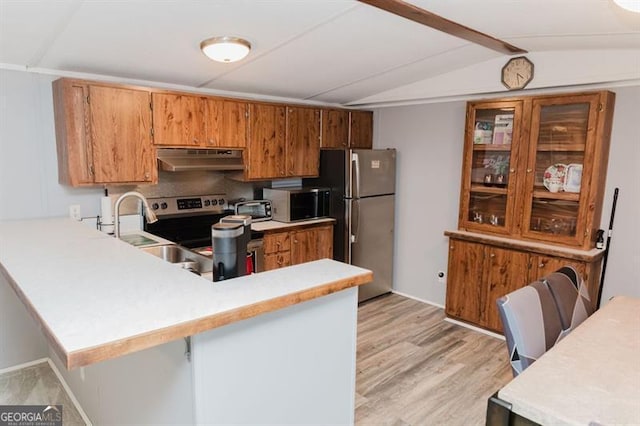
[
  {"x": 225, "y": 49},
  {"x": 632, "y": 5}
]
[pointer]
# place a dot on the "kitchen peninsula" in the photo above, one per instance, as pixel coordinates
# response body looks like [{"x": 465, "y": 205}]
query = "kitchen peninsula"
[{"x": 275, "y": 347}]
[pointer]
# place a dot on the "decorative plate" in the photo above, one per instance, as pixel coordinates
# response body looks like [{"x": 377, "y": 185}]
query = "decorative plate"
[
  {"x": 554, "y": 177},
  {"x": 573, "y": 178}
]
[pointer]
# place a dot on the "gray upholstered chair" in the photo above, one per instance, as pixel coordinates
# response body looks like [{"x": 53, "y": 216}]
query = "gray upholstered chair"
[
  {"x": 571, "y": 297},
  {"x": 531, "y": 324}
]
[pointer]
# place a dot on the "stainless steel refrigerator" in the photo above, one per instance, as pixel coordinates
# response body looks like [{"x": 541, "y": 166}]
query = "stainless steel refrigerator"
[{"x": 362, "y": 183}]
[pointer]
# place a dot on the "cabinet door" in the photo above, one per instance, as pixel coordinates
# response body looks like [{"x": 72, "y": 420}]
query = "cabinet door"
[
  {"x": 311, "y": 244},
  {"x": 303, "y": 141},
  {"x": 178, "y": 120},
  {"x": 559, "y": 169},
  {"x": 506, "y": 271},
  {"x": 266, "y": 151},
  {"x": 120, "y": 121},
  {"x": 361, "y": 129},
  {"x": 335, "y": 129},
  {"x": 489, "y": 181},
  {"x": 465, "y": 286},
  {"x": 226, "y": 123},
  {"x": 542, "y": 266}
]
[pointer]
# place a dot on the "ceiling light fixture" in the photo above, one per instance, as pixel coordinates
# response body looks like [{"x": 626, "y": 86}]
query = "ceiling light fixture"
[
  {"x": 632, "y": 5},
  {"x": 225, "y": 48}
]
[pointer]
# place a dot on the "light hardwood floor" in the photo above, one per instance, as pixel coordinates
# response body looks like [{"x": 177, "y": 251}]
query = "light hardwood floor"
[{"x": 414, "y": 369}]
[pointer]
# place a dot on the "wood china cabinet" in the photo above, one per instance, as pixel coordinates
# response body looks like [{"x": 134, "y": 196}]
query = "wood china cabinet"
[
  {"x": 103, "y": 134},
  {"x": 298, "y": 246},
  {"x": 184, "y": 120},
  {"x": 533, "y": 175}
]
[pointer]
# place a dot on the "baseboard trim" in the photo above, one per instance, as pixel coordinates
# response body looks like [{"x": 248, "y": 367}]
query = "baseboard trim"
[
  {"x": 474, "y": 328},
  {"x": 23, "y": 365},
  {"x": 66, "y": 387},
  {"x": 408, "y": 296}
]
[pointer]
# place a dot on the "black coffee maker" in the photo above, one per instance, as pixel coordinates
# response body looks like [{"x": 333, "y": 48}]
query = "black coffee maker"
[{"x": 229, "y": 238}]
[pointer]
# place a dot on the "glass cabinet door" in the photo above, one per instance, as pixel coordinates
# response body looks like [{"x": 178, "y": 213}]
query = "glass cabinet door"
[
  {"x": 488, "y": 185},
  {"x": 560, "y": 137}
]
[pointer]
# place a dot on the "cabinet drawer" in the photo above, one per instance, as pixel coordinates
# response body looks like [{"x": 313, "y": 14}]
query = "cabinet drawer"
[
  {"x": 274, "y": 243},
  {"x": 277, "y": 260}
]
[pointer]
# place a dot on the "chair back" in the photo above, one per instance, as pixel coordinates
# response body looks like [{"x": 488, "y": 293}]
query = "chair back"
[
  {"x": 531, "y": 324},
  {"x": 571, "y": 297}
]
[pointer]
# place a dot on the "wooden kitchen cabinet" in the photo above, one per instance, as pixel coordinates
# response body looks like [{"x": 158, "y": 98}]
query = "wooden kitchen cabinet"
[
  {"x": 483, "y": 269},
  {"x": 103, "y": 133},
  {"x": 534, "y": 168},
  {"x": 265, "y": 154},
  {"x": 178, "y": 120},
  {"x": 335, "y": 129},
  {"x": 184, "y": 120},
  {"x": 303, "y": 141},
  {"x": 298, "y": 246},
  {"x": 361, "y": 129},
  {"x": 311, "y": 244}
]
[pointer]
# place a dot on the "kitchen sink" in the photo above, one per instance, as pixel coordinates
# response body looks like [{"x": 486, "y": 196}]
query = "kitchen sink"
[{"x": 181, "y": 256}]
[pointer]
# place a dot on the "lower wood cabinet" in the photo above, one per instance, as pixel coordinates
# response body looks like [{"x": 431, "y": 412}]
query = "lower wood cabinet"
[
  {"x": 298, "y": 246},
  {"x": 482, "y": 271}
]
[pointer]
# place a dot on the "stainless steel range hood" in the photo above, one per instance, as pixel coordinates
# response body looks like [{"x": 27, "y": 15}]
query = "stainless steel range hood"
[{"x": 184, "y": 160}]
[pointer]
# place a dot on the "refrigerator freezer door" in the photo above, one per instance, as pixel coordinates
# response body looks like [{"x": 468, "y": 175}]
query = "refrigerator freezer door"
[
  {"x": 372, "y": 242},
  {"x": 373, "y": 171}
]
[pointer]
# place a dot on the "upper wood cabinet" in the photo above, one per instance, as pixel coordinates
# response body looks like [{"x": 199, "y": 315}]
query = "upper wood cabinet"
[
  {"x": 103, "y": 133},
  {"x": 361, "y": 129},
  {"x": 335, "y": 129},
  {"x": 265, "y": 156},
  {"x": 303, "y": 141},
  {"x": 178, "y": 120},
  {"x": 535, "y": 168},
  {"x": 227, "y": 123},
  {"x": 184, "y": 120}
]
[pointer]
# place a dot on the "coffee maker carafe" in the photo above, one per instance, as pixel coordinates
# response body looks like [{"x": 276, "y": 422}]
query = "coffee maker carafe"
[{"x": 229, "y": 242}]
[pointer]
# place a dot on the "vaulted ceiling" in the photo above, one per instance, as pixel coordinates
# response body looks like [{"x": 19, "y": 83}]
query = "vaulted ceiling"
[{"x": 332, "y": 51}]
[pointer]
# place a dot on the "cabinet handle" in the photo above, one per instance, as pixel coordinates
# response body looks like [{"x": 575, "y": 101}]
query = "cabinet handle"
[
  {"x": 529, "y": 170},
  {"x": 541, "y": 265},
  {"x": 278, "y": 243},
  {"x": 146, "y": 175},
  {"x": 492, "y": 255},
  {"x": 295, "y": 241},
  {"x": 195, "y": 140},
  {"x": 512, "y": 170}
]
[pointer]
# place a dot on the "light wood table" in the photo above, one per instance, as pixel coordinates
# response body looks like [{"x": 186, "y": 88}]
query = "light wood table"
[{"x": 591, "y": 377}]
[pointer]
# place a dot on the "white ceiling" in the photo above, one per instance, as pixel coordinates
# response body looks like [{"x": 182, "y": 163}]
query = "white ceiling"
[{"x": 333, "y": 51}]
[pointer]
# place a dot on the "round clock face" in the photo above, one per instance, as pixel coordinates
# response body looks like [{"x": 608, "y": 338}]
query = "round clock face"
[{"x": 517, "y": 73}]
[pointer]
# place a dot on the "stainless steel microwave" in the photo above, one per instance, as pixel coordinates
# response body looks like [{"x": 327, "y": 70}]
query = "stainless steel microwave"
[{"x": 294, "y": 204}]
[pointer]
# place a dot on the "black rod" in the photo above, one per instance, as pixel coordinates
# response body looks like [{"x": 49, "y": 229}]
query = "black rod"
[{"x": 606, "y": 251}]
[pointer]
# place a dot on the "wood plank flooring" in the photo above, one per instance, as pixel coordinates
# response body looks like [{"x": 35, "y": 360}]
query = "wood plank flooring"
[{"x": 415, "y": 369}]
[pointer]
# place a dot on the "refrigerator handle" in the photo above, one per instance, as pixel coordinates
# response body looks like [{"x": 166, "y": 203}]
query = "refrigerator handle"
[
  {"x": 356, "y": 215},
  {"x": 356, "y": 175}
]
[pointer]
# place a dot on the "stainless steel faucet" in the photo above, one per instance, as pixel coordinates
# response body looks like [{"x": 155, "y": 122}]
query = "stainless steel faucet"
[{"x": 149, "y": 214}]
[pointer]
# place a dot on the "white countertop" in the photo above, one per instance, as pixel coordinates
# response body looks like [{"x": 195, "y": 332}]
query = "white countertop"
[
  {"x": 592, "y": 375},
  {"x": 273, "y": 225},
  {"x": 89, "y": 290}
]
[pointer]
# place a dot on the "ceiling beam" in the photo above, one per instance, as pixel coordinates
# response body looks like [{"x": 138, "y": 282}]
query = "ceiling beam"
[{"x": 424, "y": 17}]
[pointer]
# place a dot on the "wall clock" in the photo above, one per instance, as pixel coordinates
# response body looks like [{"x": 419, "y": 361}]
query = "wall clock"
[{"x": 517, "y": 73}]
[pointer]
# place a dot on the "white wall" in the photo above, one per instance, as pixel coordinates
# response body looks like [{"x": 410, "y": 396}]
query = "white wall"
[{"x": 429, "y": 140}]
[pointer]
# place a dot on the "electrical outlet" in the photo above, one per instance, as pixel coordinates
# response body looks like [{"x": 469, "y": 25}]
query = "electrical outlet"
[
  {"x": 74, "y": 212},
  {"x": 441, "y": 276}
]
